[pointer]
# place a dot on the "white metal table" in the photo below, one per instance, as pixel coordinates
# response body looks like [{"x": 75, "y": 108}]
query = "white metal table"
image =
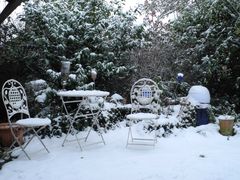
[{"x": 83, "y": 99}]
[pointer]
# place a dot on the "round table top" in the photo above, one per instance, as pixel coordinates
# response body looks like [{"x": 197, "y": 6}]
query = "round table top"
[{"x": 83, "y": 93}]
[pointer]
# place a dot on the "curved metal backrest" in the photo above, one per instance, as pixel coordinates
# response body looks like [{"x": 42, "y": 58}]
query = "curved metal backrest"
[
  {"x": 14, "y": 99},
  {"x": 145, "y": 94}
]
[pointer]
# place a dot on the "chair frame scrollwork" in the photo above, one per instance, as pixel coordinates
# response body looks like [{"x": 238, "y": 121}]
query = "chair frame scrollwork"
[{"x": 16, "y": 105}]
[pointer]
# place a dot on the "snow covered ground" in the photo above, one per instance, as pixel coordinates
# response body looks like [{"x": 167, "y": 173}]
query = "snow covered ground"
[{"x": 199, "y": 153}]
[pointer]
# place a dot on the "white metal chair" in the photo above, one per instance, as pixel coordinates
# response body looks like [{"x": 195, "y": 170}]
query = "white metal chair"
[
  {"x": 15, "y": 101},
  {"x": 145, "y": 99}
]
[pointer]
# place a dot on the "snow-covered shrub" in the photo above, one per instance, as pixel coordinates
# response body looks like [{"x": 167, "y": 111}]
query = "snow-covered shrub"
[
  {"x": 91, "y": 34},
  {"x": 113, "y": 116},
  {"x": 222, "y": 106},
  {"x": 172, "y": 91},
  {"x": 188, "y": 117},
  {"x": 108, "y": 119},
  {"x": 40, "y": 99},
  {"x": 117, "y": 98},
  {"x": 37, "y": 91},
  {"x": 209, "y": 32},
  {"x": 172, "y": 88},
  {"x": 185, "y": 119}
]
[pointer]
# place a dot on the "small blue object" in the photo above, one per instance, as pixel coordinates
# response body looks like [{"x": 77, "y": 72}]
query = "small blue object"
[{"x": 180, "y": 77}]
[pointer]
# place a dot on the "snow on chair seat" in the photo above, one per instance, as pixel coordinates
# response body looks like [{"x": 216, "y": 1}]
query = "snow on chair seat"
[
  {"x": 137, "y": 116},
  {"x": 34, "y": 122}
]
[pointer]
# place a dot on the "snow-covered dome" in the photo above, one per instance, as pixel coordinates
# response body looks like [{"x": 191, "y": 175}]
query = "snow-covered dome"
[{"x": 199, "y": 95}]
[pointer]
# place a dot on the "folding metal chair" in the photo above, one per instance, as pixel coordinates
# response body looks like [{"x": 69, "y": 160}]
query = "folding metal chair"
[
  {"x": 15, "y": 101},
  {"x": 145, "y": 99}
]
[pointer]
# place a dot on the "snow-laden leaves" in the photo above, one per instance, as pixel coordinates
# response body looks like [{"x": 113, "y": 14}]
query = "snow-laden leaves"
[
  {"x": 209, "y": 32},
  {"x": 90, "y": 33}
]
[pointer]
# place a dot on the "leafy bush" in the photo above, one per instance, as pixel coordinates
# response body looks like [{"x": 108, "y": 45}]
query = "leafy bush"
[
  {"x": 108, "y": 119},
  {"x": 209, "y": 32}
]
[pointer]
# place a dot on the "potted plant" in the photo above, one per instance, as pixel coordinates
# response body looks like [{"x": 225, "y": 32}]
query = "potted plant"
[
  {"x": 226, "y": 123},
  {"x": 6, "y": 137}
]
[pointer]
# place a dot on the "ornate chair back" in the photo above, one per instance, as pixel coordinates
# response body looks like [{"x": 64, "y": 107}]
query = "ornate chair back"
[
  {"x": 14, "y": 99},
  {"x": 145, "y": 96}
]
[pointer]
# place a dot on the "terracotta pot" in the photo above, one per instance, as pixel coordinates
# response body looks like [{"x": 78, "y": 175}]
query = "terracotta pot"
[
  {"x": 6, "y": 137},
  {"x": 226, "y": 125}
]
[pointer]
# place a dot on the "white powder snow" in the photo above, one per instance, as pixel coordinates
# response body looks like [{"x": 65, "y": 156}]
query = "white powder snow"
[
  {"x": 82, "y": 93},
  {"x": 73, "y": 76},
  {"x": 180, "y": 74},
  {"x": 189, "y": 154},
  {"x": 116, "y": 97},
  {"x": 137, "y": 116},
  {"x": 34, "y": 122},
  {"x": 226, "y": 117},
  {"x": 41, "y": 98},
  {"x": 198, "y": 95}
]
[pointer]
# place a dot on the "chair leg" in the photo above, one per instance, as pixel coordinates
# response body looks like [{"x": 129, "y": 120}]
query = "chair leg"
[
  {"x": 95, "y": 122},
  {"x": 153, "y": 140},
  {"x": 99, "y": 129},
  {"x": 23, "y": 149},
  {"x": 156, "y": 125},
  {"x": 155, "y": 134},
  {"x": 36, "y": 134},
  {"x": 88, "y": 134},
  {"x": 19, "y": 145},
  {"x": 78, "y": 141},
  {"x": 69, "y": 131},
  {"x": 31, "y": 138},
  {"x": 130, "y": 136}
]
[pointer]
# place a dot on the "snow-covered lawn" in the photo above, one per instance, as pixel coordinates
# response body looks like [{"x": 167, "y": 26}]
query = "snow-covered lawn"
[{"x": 199, "y": 153}]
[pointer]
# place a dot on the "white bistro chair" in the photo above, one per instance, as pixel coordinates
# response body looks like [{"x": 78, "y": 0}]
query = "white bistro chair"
[
  {"x": 15, "y": 101},
  {"x": 145, "y": 99}
]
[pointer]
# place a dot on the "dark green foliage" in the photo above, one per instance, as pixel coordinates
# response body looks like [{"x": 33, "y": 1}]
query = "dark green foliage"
[
  {"x": 5, "y": 156},
  {"x": 173, "y": 89},
  {"x": 223, "y": 106},
  {"x": 89, "y": 34},
  {"x": 209, "y": 30},
  {"x": 114, "y": 116},
  {"x": 188, "y": 117},
  {"x": 108, "y": 119}
]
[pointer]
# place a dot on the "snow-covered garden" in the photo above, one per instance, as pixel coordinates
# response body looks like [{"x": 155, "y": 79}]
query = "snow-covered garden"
[
  {"x": 193, "y": 153},
  {"x": 183, "y": 150},
  {"x": 80, "y": 63}
]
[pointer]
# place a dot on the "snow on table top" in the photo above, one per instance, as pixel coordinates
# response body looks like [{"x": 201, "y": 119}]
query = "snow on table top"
[
  {"x": 83, "y": 93},
  {"x": 137, "y": 116}
]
